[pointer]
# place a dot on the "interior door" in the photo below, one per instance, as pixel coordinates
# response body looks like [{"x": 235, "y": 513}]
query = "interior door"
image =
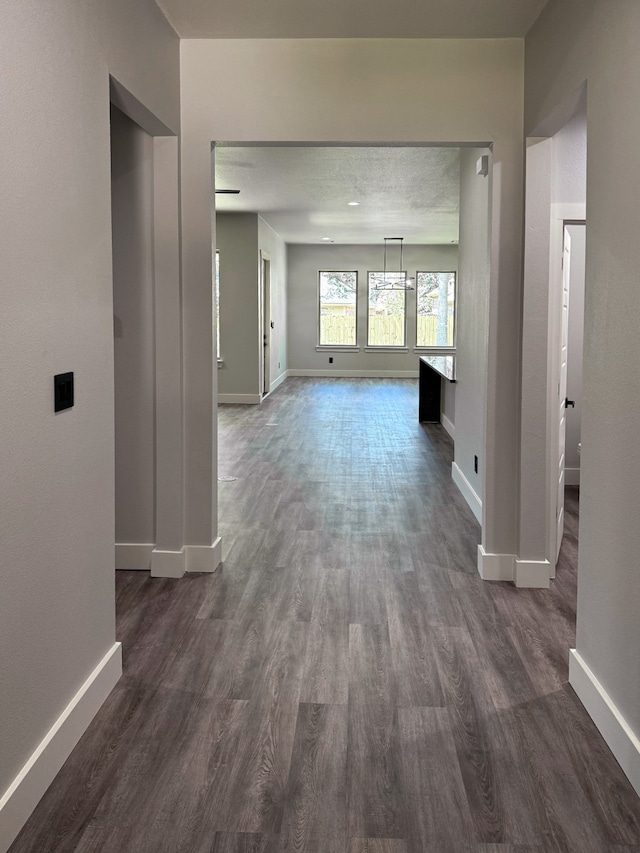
[
  {"x": 266, "y": 324},
  {"x": 562, "y": 389}
]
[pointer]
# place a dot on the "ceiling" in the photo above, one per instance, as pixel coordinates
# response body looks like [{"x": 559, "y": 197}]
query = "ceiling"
[
  {"x": 351, "y": 18},
  {"x": 303, "y": 193}
]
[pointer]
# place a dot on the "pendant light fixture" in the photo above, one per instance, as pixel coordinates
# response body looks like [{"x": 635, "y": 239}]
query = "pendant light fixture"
[{"x": 393, "y": 279}]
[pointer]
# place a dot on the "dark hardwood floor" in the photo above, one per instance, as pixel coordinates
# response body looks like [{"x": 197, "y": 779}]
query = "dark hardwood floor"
[{"x": 345, "y": 683}]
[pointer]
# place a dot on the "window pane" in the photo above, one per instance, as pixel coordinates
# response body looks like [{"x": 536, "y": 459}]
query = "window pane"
[
  {"x": 436, "y": 308},
  {"x": 338, "y": 308},
  {"x": 386, "y": 310}
]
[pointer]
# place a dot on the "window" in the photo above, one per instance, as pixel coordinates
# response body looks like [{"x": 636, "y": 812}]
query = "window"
[
  {"x": 435, "y": 309},
  {"x": 216, "y": 297},
  {"x": 387, "y": 310},
  {"x": 338, "y": 308}
]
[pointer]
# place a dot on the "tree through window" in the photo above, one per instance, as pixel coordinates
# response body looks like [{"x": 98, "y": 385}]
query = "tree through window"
[
  {"x": 435, "y": 309},
  {"x": 338, "y": 308},
  {"x": 387, "y": 310}
]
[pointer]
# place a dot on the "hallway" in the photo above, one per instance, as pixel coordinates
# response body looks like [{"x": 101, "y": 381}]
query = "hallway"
[{"x": 345, "y": 683}]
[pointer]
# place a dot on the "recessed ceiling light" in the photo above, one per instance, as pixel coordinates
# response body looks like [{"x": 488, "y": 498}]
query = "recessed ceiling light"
[
  {"x": 327, "y": 240},
  {"x": 353, "y": 203}
]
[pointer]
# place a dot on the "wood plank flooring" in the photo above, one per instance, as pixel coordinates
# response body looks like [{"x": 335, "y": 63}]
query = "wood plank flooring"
[{"x": 345, "y": 683}]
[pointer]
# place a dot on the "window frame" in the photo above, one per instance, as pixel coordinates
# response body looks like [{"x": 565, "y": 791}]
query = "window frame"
[
  {"x": 439, "y": 347},
  {"x": 390, "y": 347},
  {"x": 349, "y": 347}
]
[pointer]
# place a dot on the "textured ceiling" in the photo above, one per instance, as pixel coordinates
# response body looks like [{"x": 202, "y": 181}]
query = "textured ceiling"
[
  {"x": 304, "y": 192},
  {"x": 351, "y": 18}
]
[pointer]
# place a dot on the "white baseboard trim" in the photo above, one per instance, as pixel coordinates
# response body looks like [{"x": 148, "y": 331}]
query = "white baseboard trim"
[
  {"x": 532, "y": 574},
  {"x": 240, "y": 399},
  {"x": 168, "y": 564},
  {"x": 26, "y": 790},
  {"x": 204, "y": 558},
  {"x": 572, "y": 476},
  {"x": 495, "y": 567},
  {"x": 468, "y": 492},
  {"x": 449, "y": 426},
  {"x": 132, "y": 557},
  {"x": 278, "y": 382},
  {"x": 357, "y": 374},
  {"x": 620, "y": 738}
]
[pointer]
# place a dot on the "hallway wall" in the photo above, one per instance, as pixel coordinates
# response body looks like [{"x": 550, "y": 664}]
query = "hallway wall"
[
  {"x": 596, "y": 41},
  {"x": 473, "y": 311},
  {"x": 237, "y": 242},
  {"x": 133, "y": 320},
  {"x": 57, "y": 493}
]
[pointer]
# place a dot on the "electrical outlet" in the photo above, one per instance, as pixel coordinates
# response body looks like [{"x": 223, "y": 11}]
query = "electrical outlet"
[
  {"x": 330, "y": 359},
  {"x": 475, "y": 464}
]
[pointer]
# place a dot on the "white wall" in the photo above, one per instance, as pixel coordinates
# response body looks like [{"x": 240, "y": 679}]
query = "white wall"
[
  {"x": 274, "y": 246},
  {"x": 578, "y": 235},
  {"x": 569, "y": 186},
  {"x": 134, "y": 350},
  {"x": 597, "y": 41},
  {"x": 57, "y": 492},
  {"x": 569, "y": 170},
  {"x": 556, "y": 189},
  {"x": 237, "y": 242},
  {"x": 473, "y": 310},
  {"x": 304, "y": 263},
  {"x": 379, "y": 91}
]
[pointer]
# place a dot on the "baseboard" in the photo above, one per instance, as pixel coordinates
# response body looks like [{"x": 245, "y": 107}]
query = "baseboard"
[
  {"x": 532, "y": 574},
  {"x": 495, "y": 567},
  {"x": 468, "y": 492},
  {"x": 204, "y": 558},
  {"x": 620, "y": 738},
  {"x": 38, "y": 773},
  {"x": 572, "y": 476},
  {"x": 131, "y": 557},
  {"x": 357, "y": 374},
  {"x": 240, "y": 399},
  {"x": 278, "y": 382},
  {"x": 168, "y": 564},
  {"x": 449, "y": 426}
]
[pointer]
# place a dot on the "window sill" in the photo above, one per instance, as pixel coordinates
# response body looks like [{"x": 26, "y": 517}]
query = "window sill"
[
  {"x": 435, "y": 350},
  {"x": 386, "y": 349},
  {"x": 332, "y": 348}
]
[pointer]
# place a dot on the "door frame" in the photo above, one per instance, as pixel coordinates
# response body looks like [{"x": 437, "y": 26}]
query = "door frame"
[
  {"x": 264, "y": 308},
  {"x": 561, "y": 216}
]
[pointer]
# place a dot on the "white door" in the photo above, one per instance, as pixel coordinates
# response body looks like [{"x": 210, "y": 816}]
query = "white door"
[
  {"x": 266, "y": 324},
  {"x": 561, "y": 401}
]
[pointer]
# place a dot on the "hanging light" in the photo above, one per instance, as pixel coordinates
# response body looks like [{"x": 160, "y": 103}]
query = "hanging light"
[{"x": 393, "y": 279}]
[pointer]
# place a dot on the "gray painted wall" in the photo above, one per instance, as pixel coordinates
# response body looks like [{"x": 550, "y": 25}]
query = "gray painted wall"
[
  {"x": 596, "y": 41},
  {"x": 134, "y": 352},
  {"x": 473, "y": 309},
  {"x": 240, "y": 237},
  {"x": 237, "y": 242},
  {"x": 304, "y": 262},
  {"x": 57, "y": 493}
]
